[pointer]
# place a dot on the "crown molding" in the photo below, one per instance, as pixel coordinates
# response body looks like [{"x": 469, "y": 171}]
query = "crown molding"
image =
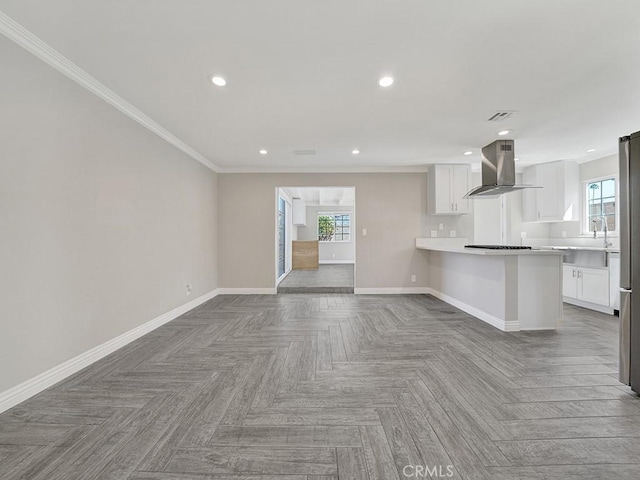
[
  {"x": 34, "y": 45},
  {"x": 363, "y": 169}
]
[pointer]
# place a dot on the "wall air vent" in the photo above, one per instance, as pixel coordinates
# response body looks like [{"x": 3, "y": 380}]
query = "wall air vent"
[
  {"x": 500, "y": 115},
  {"x": 304, "y": 152}
]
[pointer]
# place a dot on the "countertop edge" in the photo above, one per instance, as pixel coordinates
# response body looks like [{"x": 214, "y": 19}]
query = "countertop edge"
[{"x": 479, "y": 251}]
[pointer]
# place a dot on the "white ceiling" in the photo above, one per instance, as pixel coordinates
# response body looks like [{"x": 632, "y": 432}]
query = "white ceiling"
[
  {"x": 324, "y": 196},
  {"x": 303, "y": 74}
]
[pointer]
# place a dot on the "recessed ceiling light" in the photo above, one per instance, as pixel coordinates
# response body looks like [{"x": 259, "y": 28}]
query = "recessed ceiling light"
[
  {"x": 469, "y": 152},
  {"x": 355, "y": 152},
  {"x": 504, "y": 132},
  {"x": 263, "y": 152},
  {"x": 218, "y": 81},
  {"x": 591, "y": 150},
  {"x": 385, "y": 81}
]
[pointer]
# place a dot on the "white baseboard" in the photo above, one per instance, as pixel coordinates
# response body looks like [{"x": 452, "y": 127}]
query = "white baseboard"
[
  {"x": 247, "y": 291},
  {"x": 589, "y": 305},
  {"x": 336, "y": 262},
  {"x": 31, "y": 387},
  {"x": 505, "y": 326},
  {"x": 391, "y": 291}
]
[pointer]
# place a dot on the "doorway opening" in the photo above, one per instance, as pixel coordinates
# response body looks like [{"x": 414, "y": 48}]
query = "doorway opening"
[{"x": 315, "y": 239}]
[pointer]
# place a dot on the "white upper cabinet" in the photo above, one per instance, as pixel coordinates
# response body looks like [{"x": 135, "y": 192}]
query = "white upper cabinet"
[
  {"x": 299, "y": 216},
  {"x": 448, "y": 184},
  {"x": 558, "y": 200}
]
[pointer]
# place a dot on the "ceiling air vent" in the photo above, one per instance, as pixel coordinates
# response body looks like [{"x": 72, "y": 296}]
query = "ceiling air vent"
[
  {"x": 500, "y": 115},
  {"x": 304, "y": 152}
]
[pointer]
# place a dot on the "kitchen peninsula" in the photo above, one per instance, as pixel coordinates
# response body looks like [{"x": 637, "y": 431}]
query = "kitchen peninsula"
[{"x": 511, "y": 290}]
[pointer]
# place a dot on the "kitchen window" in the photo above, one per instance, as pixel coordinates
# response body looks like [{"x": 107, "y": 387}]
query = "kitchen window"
[
  {"x": 600, "y": 203},
  {"x": 334, "y": 227}
]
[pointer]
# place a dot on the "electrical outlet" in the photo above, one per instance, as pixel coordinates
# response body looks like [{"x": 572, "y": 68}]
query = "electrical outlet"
[
  {"x": 441, "y": 226},
  {"x": 523, "y": 235},
  {"x": 434, "y": 233},
  {"x": 333, "y": 255},
  {"x": 364, "y": 232},
  {"x": 564, "y": 234},
  {"x": 413, "y": 279},
  {"x": 452, "y": 233},
  {"x": 188, "y": 289}
]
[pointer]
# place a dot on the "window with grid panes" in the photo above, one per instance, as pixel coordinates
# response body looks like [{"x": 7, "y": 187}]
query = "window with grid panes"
[{"x": 601, "y": 204}]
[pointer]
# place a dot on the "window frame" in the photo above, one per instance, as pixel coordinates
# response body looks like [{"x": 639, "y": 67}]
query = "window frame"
[
  {"x": 334, "y": 214},
  {"x": 586, "y": 225}
]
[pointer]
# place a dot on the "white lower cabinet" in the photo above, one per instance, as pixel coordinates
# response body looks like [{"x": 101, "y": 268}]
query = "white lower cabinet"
[
  {"x": 569, "y": 281},
  {"x": 586, "y": 284}
]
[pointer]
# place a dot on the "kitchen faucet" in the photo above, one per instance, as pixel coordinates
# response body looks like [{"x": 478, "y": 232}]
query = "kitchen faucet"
[{"x": 607, "y": 243}]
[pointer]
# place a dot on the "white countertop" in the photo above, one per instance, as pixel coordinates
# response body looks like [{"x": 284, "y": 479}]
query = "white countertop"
[
  {"x": 594, "y": 249},
  {"x": 427, "y": 244}
]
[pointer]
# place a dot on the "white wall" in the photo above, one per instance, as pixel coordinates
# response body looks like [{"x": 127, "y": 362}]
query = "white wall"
[
  {"x": 328, "y": 252},
  {"x": 391, "y": 206},
  {"x": 102, "y": 222}
]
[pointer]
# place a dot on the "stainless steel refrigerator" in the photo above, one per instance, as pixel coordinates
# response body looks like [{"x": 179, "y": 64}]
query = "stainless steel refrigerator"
[{"x": 629, "y": 369}]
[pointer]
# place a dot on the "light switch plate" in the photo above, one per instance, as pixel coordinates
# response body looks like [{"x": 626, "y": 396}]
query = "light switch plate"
[
  {"x": 441, "y": 226},
  {"x": 523, "y": 235},
  {"x": 452, "y": 233},
  {"x": 434, "y": 233},
  {"x": 364, "y": 232},
  {"x": 564, "y": 234}
]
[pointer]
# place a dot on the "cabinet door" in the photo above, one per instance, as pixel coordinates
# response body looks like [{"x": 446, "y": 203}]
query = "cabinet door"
[
  {"x": 594, "y": 285},
  {"x": 569, "y": 281},
  {"x": 460, "y": 187},
  {"x": 299, "y": 212},
  {"x": 443, "y": 180},
  {"x": 549, "y": 197},
  {"x": 530, "y": 196}
]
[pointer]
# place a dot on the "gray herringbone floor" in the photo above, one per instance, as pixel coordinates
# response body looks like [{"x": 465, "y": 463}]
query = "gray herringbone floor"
[
  {"x": 326, "y": 279},
  {"x": 302, "y": 387}
]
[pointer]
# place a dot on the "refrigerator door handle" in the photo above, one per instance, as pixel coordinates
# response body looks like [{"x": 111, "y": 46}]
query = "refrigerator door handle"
[{"x": 625, "y": 337}]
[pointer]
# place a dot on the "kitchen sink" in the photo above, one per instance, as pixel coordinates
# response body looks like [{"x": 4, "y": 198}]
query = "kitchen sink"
[{"x": 584, "y": 257}]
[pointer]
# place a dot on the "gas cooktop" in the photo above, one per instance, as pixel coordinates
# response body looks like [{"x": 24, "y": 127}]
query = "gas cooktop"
[{"x": 500, "y": 247}]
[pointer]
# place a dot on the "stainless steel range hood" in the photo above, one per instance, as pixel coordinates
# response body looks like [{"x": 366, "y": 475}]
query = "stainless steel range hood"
[{"x": 498, "y": 171}]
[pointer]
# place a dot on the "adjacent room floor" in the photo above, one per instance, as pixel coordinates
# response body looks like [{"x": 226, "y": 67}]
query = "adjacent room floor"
[
  {"x": 309, "y": 387},
  {"x": 327, "y": 279}
]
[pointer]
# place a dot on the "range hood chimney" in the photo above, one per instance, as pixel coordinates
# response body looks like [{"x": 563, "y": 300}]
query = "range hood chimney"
[{"x": 498, "y": 171}]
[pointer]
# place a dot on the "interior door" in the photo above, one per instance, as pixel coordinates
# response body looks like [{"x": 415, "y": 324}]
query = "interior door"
[
  {"x": 288, "y": 235},
  {"x": 282, "y": 236}
]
